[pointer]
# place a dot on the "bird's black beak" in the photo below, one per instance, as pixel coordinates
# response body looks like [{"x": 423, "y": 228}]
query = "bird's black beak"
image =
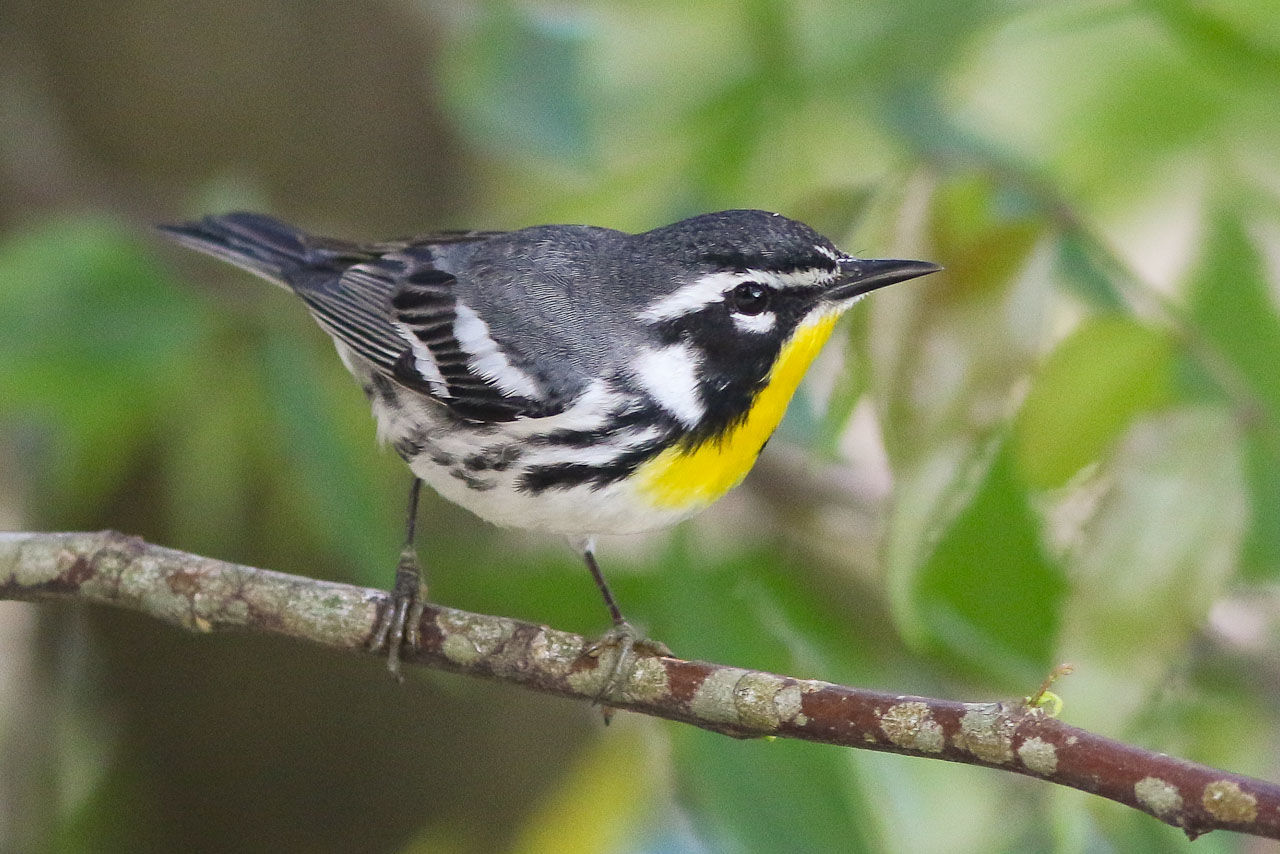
[{"x": 859, "y": 276}]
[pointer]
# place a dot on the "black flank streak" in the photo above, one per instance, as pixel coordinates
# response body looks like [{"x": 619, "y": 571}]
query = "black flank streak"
[
  {"x": 508, "y": 456},
  {"x": 418, "y": 443},
  {"x": 638, "y": 417},
  {"x": 497, "y": 459},
  {"x": 538, "y": 479},
  {"x": 472, "y": 482},
  {"x": 484, "y": 411},
  {"x": 445, "y": 349},
  {"x": 408, "y": 448},
  {"x": 386, "y": 391}
]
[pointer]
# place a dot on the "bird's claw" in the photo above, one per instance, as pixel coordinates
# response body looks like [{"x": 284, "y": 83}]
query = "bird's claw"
[
  {"x": 629, "y": 644},
  {"x": 397, "y": 626}
]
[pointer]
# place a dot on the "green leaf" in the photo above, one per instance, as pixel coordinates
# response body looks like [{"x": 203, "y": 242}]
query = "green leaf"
[
  {"x": 814, "y": 799},
  {"x": 213, "y": 455},
  {"x": 747, "y": 608},
  {"x": 944, "y": 352},
  {"x": 1215, "y": 37},
  {"x": 989, "y": 595},
  {"x": 1261, "y": 553},
  {"x": 732, "y": 123},
  {"x": 1232, "y": 306},
  {"x": 1160, "y": 547},
  {"x": 347, "y": 505},
  {"x": 1083, "y": 273},
  {"x": 88, "y": 283},
  {"x": 849, "y": 387},
  {"x": 1089, "y": 389},
  {"x": 1128, "y": 109},
  {"x": 985, "y": 231},
  {"x": 94, "y": 343}
]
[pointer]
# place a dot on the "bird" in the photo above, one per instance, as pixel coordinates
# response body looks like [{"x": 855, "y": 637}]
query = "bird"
[{"x": 571, "y": 379}]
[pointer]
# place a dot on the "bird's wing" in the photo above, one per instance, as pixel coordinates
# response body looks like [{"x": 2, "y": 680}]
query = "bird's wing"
[
  {"x": 403, "y": 314},
  {"x": 354, "y": 307}
]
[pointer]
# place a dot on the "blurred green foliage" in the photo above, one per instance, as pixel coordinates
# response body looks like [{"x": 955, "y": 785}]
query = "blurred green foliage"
[
  {"x": 1090, "y": 388},
  {"x": 1065, "y": 447}
]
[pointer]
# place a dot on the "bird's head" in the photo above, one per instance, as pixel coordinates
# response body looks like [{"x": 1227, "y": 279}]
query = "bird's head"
[{"x": 737, "y": 292}]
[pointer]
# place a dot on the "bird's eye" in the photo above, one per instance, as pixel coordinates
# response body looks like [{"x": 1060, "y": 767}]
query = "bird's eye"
[{"x": 748, "y": 298}]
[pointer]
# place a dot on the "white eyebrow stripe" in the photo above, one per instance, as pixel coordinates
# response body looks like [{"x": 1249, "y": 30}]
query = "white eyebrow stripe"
[
  {"x": 670, "y": 375},
  {"x": 698, "y": 294},
  {"x": 711, "y": 288},
  {"x": 811, "y": 278}
]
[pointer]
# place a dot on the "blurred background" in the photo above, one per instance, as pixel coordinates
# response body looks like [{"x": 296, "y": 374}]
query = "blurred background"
[{"x": 1064, "y": 448}]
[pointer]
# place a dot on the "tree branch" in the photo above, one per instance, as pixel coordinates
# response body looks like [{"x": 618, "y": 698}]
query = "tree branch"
[{"x": 200, "y": 594}]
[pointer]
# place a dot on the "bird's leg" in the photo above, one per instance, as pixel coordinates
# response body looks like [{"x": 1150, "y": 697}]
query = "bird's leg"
[
  {"x": 589, "y": 555},
  {"x": 623, "y": 635},
  {"x": 398, "y": 623}
]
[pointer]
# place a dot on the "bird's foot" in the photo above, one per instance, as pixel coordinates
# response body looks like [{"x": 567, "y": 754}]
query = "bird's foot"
[
  {"x": 397, "y": 626},
  {"x": 629, "y": 645}
]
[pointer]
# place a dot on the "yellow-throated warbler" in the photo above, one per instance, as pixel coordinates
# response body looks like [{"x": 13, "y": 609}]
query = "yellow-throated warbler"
[{"x": 567, "y": 378}]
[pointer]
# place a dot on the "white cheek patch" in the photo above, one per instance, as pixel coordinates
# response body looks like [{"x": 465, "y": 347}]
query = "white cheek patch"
[
  {"x": 670, "y": 376},
  {"x": 487, "y": 360},
  {"x": 757, "y": 323}
]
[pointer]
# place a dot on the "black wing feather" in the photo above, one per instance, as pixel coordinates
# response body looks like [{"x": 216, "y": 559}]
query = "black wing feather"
[
  {"x": 354, "y": 309},
  {"x": 425, "y": 306},
  {"x": 370, "y": 298}
]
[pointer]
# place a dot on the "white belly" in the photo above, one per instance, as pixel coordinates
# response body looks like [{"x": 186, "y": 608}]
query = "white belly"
[{"x": 576, "y": 511}]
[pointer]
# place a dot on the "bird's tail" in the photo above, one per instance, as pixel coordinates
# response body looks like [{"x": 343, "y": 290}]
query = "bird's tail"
[{"x": 257, "y": 243}]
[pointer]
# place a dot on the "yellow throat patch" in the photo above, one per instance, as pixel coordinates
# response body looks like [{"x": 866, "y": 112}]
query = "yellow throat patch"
[{"x": 682, "y": 478}]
